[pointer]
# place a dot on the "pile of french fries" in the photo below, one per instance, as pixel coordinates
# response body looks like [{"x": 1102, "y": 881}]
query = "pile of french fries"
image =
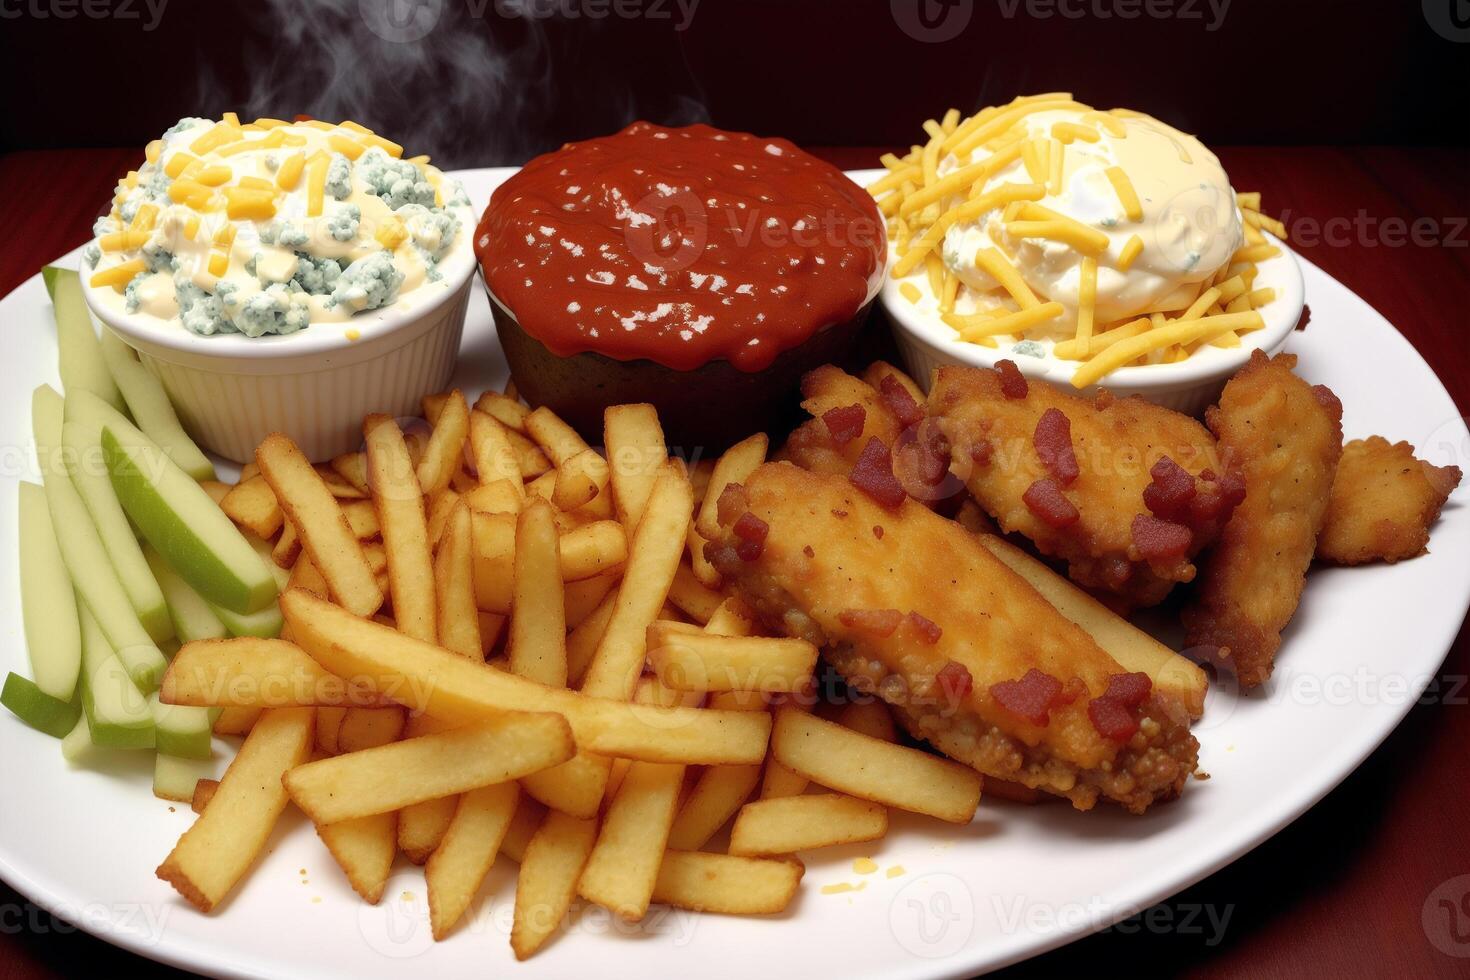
[{"x": 499, "y": 640}]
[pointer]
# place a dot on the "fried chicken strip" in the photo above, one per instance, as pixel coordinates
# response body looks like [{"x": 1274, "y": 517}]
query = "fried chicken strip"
[
  {"x": 1285, "y": 435},
  {"x": 1124, "y": 491},
  {"x": 1383, "y": 503},
  {"x": 912, "y": 607}
]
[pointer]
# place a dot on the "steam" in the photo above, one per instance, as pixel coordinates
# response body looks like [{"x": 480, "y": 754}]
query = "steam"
[{"x": 430, "y": 74}]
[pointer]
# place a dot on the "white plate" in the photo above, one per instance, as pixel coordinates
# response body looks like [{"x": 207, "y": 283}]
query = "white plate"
[{"x": 1016, "y": 882}]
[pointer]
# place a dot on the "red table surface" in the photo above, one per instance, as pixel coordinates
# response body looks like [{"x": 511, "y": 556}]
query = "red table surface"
[{"x": 1344, "y": 890}]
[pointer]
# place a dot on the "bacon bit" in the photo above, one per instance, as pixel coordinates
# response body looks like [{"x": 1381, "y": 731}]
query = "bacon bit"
[
  {"x": 1053, "y": 439},
  {"x": 1171, "y": 491},
  {"x": 873, "y": 475},
  {"x": 1031, "y": 698},
  {"x": 955, "y": 681},
  {"x": 898, "y": 401},
  {"x": 732, "y": 503},
  {"x": 1112, "y": 719},
  {"x": 1158, "y": 540},
  {"x": 1046, "y": 500},
  {"x": 809, "y": 552},
  {"x": 981, "y": 452},
  {"x": 845, "y": 424},
  {"x": 878, "y": 622},
  {"x": 934, "y": 454},
  {"x": 1217, "y": 500},
  {"x": 1112, "y": 714},
  {"x": 839, "y": 514},
  {"x": 878, "y": 531},
  {"x": 927, "y": 630},
  {"x": 751, "y": 531},
  {"x": 1305, "y": 318},
  {"x": 1012, "y": 382},
  {"x": 1329, "y": 401}
]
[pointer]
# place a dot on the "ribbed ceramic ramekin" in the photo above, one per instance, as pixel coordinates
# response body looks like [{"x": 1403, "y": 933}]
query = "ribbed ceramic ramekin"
[
  {"x": 1189, "y": 386},
  {"x": 316, "y": 385}
]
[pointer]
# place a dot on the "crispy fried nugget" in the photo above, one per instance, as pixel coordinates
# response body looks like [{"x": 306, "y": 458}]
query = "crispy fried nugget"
[
  {"x": 912, "y": 607},
  {"x": 1285, "y": 436},
  {"x": 831, "y": 444},
  {"x": 1383, "y": 502},
  {"x": 1105, "y": 510}
]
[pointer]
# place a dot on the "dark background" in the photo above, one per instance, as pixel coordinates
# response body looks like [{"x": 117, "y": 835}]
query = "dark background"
[{"x": 497, "y": 81}]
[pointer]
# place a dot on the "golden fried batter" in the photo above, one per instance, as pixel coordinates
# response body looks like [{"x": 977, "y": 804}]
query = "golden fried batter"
[
  {"x": 910, "y": 606},
  {"x": 1116, "y": 443},
  {"x": 1383, "y": 502},
  {"x": 1285, "y": 437}
]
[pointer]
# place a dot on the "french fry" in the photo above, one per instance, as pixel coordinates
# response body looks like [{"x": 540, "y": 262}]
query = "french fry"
[
  {"x": 500, "y": 497},
  {"x": 491, "y": 626},
  {"x": 204, "y": 791},
  {"x": 216, "y": 489},
  {"x": 400, "y": 506},
  {"x": 700, "y": 473},
  {"x": 352, "y": 467},
  {"x": 367, "y": 728},
  {"x": 440, "y": 507},
  {"x": 558, "y": 440},
  {"x": 491, "y": 449},
  {"x": 325, "y": 535},
  {"x": 364, "y": 848},
  {"x": 460, "y": 691},
  {"x": 724, "y": 884},
  {"x": 422, "y": 825},
  {"x": 550, "y": 866},
  {"x": 446, "y": 445},
  {"x": 523, "y": 827},
  {"x": 652, "y": 561},
  {"x": 579, "y": 480},
  {"x": 305, "y": 575},
  {"x": 340, "y": 488},
  {"x": 253, "y": 506},
  {"x": 731, "y": 618},
  {"x": 623, "y": 866},
  {"x": 328, "y": 726},
  {"x": 715, "y": 798},
  {"x": 251, "y": 672},
  {"x": 872, "y": 718},
  {"x": 236, "y": 721},
  {"x": 778, "y": 781},
  {"x": 1134, "y": 649},
  {"x": 870, "y": 769},
  {"x": 530, "y": 460},
  {"x": 454, "y": 587},
  {"x": 429, "y": 767},
  {"x": 433, "y": 404},
  {"x": 504, "y": 409},
  {"x": 287, "y": 547},
  {"x": 692, "y": 660},
  {"x": 583, "y": 640},
  {"x": 538, "y": 626},
  {"x": 692, "y": 597},
  {"x": 214, "y": 854},
  {"x": 803, "y": 823},
  {"x": 738, "y": 462},
  {"x": 464, "y": 856},
  {"x": 584, "y": 596},
  {"x": 592, "y": 550},
  {"x": 738, "y": 701},
  {"x": 635, "y": 454},
  {"x": 543, "y": 486}
]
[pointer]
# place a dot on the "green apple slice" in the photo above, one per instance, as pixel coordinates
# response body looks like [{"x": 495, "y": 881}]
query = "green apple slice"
[
  {"x": 118, "y": 714},
  {"x": 149, "y": 405},
  {"x": 82, "y": 366},
  {"x": 76, "y": 746},
  {"x": 88, "y": 472},
  {"x": 192, "y": 617},
  {"x": 185, "y": 526},
  {"x": 48, "y": 411},
  {"x": 37, "y": 708},
  {"x": 265, "y": 623},
  {"x": 174, "y": 778},
  {"x": 53, "y": 635},
  {"x": 97, "y": 583},
  {"x": 181, "y": 730}
]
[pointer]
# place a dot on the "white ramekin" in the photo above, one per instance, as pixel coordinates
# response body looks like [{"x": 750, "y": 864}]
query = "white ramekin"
[
  {"x": 927, "y": 343},
  {"x": 231, "y": 391}
]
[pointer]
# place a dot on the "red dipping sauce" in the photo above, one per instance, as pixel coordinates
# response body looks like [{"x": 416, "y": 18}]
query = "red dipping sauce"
[{"x": 681, "y": 246}]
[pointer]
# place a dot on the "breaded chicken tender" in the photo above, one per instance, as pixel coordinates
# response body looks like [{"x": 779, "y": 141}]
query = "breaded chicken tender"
[
  {"x": 1285, "y": 436},
  {"x": 913, "y": 608},
  {"x": 1122, "y": 490},
  {"x": 1383, "y": 503}
]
